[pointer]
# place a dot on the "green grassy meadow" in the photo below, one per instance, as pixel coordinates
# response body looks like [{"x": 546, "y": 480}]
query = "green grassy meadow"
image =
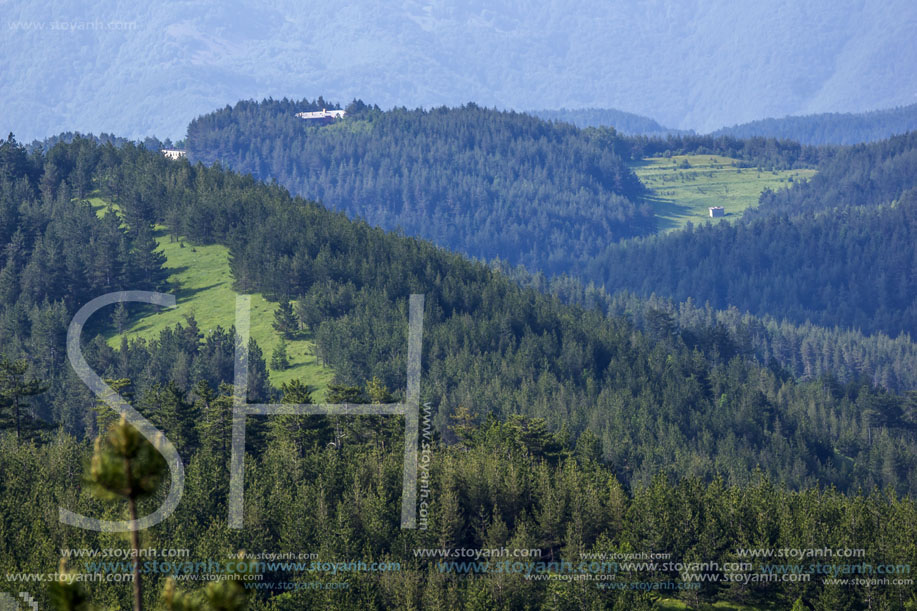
[
  {"x": 201, "y": 281},
  {"x": 683, "y": 187}
]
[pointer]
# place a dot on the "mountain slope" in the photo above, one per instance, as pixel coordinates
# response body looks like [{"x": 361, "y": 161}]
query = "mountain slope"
[
  {"x": 485, "y": 183},
  {"x": 858, "y": 176},
  {"x": 546, "y": 428},
  {"x": 624, "y": 122},
  {"x": 200, "y": 279},
  {"x": 490, "y": 347},
  {"x": 552, "y": 197},
  {"x": 147, "y": 69},
  {"x": 830, "y": 128},
  {"x": 682, "y": 188},
  {"x": 852, "y": 268},
  {"x": 495, "y": 348}
]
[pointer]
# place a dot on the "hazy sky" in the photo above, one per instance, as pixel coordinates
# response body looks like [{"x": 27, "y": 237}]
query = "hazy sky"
[{"x": 135, "y": 70}]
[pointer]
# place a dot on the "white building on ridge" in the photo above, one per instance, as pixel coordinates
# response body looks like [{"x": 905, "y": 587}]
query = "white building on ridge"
[{"x": 322, "y": 116}]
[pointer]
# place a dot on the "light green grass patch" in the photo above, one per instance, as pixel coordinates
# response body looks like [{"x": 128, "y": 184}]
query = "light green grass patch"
[
  {"x": 684, "y": 187},
  {"x": 201, "y": 281}
]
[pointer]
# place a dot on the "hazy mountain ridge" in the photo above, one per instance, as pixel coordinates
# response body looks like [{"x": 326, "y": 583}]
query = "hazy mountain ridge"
[
  {"x": 830, "y": 128},
  {"x": 141, "y": 70},
  {"x": 627, "y": 123}
]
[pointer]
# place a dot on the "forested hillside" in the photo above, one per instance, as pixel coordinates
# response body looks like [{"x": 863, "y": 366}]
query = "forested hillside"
[
  {"x": 489, "y": 184},
  {"x": 492, "y": 347},
  {"x": 449, "y": 184},
  {"x": 57, "y": 255},
  {"x": 503, "y": 367},
  {"x": 831, "y": 128},
  {"x": 502, "y": 485},
  {"x": 805, "y": 350},
  {"x": 758, "y": 152},
  {"x": 862, "y": 175},
  {"x": 835, "y": 250},
  {"x": 151, "y": 143},
  {"x": 801, "y": 350},
  {"x": 486, "y": 183},
  {"x": 851, "y": 268}
]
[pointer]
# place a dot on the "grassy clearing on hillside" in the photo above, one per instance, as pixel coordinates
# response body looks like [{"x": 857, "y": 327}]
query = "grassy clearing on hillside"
[
  {"x": 201, "y": 281},
  {"x": 683, "y": 187}
]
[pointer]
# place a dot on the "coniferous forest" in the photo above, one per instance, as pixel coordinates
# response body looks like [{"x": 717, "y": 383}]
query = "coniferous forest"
[
  {"x": 486, "y": 183},
  {"x": 829, "y": 260},
  {"x": 557, "y": 419},
  {"x": 804, "y": 254},
  {"x": 458, "y": 306},
  {"x": 831, "y": 128}
]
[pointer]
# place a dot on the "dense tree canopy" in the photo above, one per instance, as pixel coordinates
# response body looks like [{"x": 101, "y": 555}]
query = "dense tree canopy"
[
  {"x": 805, "y": 350},
  {"x": 494, "y": 184},
  {"x": 848, "y": 267},
  {"x": 836, "y": 250},
  {"x": 506, "y": 485},
  {"x": 482, "y": 182},
  {"x": 863, "y": 175},
  {"x": 556, "y": 427}
]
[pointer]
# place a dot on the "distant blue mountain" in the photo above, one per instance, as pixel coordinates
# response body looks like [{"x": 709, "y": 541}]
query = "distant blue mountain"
[
  {"x": 831, "y": 128},
  {"x": 139, "y": 69},
  {"x": 627, "y": 123}
]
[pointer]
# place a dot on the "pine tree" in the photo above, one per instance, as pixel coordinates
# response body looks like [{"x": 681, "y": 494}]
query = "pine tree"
[
  {"x": 119, "y": 317},
  {"x": 14, "y": 390},
  {"x": 448, "y": 519},
  {"x": 378, "y": 392},
  {"x": 215, "y": 427},
  {"x": 304, "y": 432},
  {"x": 146, "y": 260},
  {"x": 174, "y": 414},
  {"x": 296, "y": 391},
  {"x": 105, "y": 416},
  {"x": 350, "y": 426},
  {"x": 345, "y": 394},
  {"x": 588, "y": 447},
  {"x": 279, "y": 359},
  {"x": 9, "y": 282},
  {"x": 126, "y": 466},
  {"x": 285, "y": 322},
  {"x": 463, "y": 426}
]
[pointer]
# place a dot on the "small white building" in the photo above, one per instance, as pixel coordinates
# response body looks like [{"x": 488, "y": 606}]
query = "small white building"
[
  {"x": 717, "y": 211},
  {"x": 322, "y": 116},
  {"x": 174, "y": 153}
]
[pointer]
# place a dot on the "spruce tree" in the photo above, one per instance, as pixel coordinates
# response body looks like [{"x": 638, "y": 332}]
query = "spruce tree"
[
  {"x": 285, "y": 322},
  {"x": 126, "y": 466},
  {"x": 279, "y": 359},
  {"x": 14, "y": 390},
  {"x": 304, "y": 432},
  {"x": 105, "y": 417}
]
